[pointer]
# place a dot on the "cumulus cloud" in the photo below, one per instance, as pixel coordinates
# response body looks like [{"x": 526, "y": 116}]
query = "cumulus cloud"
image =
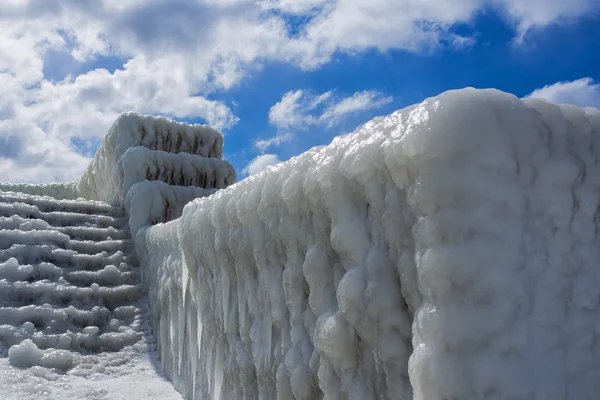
[
  {"x": 276, "y": 141},
  {"x": 359, "y": 101},
  {"x": 260, "y": 163},
  {"x": 176, "y": 54},
  {"x": 299, "y": 109},
  {"x": 581, "y": 92}
]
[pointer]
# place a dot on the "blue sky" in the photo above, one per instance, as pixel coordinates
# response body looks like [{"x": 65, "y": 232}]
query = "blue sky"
[{"x": 276, "y": 76}]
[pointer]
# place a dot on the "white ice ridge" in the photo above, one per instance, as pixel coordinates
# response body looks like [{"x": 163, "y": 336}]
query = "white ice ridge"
[
  {"x": 447, "y": 251},
  {"x": 140, "y": 163},
  {"x": 103, "y": 179}
]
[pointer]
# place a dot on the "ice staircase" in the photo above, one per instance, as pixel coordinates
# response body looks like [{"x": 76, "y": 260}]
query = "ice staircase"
[
  {"x": 72, "y": 301},
  {"x": 69, "y": 276}
]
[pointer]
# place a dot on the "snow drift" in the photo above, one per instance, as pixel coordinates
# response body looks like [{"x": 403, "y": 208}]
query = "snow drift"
[{"x": 447, "y": 251}]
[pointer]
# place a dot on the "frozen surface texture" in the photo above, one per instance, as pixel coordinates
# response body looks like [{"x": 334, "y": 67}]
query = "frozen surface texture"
[
  {"x": 153, "y": 202},
  {"x": 140, "y": 163},
  {"x": 447, "y": 251},
  {"x": 103, "y": 179}
]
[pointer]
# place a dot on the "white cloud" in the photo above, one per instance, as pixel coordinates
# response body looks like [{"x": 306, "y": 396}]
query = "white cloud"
[
  {"x": 581, "y": 92},
  {"x": 359, "y": 101},
  {"x": 416, "y": 24},
  {"x": 540, "y": 13},
  {"x": 298, "y": 109},
  {"x": 260, "y": 163},
  {"x": 292, "y": 110},
  {"x": 178, "y": 53},
  {"x": 276, "y": 141}
]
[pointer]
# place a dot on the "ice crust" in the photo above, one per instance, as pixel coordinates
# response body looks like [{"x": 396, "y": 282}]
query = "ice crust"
[
  {"x": 152, "y": 202},
  {"x": 103, "y": 178},
  {"x": 139, "y": 164},
  {"x": 447, "y": 251}
]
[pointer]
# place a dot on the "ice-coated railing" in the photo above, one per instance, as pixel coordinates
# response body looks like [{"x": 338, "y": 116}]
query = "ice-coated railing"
[{"x": 447, "y": 251}]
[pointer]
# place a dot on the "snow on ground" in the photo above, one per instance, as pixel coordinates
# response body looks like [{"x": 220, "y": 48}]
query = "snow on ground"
[
  {"x": 447, "y": 251},
  {"x": 131, "y": 374}
]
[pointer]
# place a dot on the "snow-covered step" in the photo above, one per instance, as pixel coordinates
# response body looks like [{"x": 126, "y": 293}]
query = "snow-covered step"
[
  {"x": 11, "y": 271},
  {"x": 46, "y": 204},
  {"x": 92, "y": 233},
  {"x": 109, "y": 276},
  {"x": 91, "y": 341},
  {"x": 182, "y": 169},
  {"x": 61, "y": 218},
  {"x": 41, "y": 292},
  {"x": 104, "y": 277},
  {"x": 40, "y": 238},
  {"x": 8, "y": 238},
  {"x": 95, "y": 247},
  {"x": 68, "y": 328},
  {"x": 55, "y": 318},
  {"x": 67, "y": 258},
  {"x": 16, "y": 222}
]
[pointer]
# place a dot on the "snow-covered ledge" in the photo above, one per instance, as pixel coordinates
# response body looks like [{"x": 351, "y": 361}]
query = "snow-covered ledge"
[{"x": 447, "y": 251}]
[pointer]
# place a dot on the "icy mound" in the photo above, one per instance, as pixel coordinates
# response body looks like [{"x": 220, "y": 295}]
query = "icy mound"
[{"x": 446, "y": 251}]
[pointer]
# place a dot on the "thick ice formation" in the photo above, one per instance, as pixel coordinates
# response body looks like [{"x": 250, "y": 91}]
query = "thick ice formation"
[
  {"x": 150, "y": 203},
  {"x": 27, "y": 354},
  {"x": 140, "y": 163},
  {"x": 103, "y": 179},
  {"x": 446, "y": 251}
]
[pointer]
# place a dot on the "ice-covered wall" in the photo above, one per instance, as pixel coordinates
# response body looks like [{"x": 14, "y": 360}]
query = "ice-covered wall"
[
  {"x": 447, "y": 251},
  {"x": 140, "y": 163},
  {"x": 103, "y": 179}
]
